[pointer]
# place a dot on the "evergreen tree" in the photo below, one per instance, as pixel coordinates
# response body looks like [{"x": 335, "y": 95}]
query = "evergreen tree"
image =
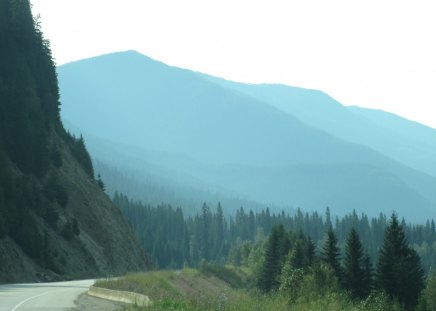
[
  {"x": 205, "y": 232},
  {"x": 399, "y": 271},
  {"x": 218, "y": 232},
  {"x": 354, "y": 266},
  {"x": 330, "y": 253},
  {"x": 368, "y": 276},
  {"x": 271, "y": 268}
]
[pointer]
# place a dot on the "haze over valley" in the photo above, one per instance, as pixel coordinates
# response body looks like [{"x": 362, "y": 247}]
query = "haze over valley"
[
  {"x": 262, "y": 145},
  {"x": 130, "y": 184}
]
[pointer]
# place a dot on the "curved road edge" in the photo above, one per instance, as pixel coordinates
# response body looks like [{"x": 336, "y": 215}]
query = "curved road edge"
[{"x": 120, "y": 296}]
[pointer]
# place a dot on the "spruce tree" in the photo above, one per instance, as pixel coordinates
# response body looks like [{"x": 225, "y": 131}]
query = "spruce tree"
[
  {"x": 330, "y": 253},
  {"x": 218, "y": 232},
  {"x": 368, "y": 275},
  {"x": 399, "y": 271},
  {"x": 269, "y": 275},
  {"x": 354, "y": 266}
]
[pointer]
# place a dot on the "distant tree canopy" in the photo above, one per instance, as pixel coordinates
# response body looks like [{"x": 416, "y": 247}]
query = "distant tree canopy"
[{"x": 228, "y": 235}]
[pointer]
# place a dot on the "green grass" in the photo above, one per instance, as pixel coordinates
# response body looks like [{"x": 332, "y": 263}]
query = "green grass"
[{"x": 222, "y": 288}]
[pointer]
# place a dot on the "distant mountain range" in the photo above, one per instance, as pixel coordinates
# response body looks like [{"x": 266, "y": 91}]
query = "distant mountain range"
[
  {"x": 272, "y": 144},
  {"x": 408, "y": 142}
]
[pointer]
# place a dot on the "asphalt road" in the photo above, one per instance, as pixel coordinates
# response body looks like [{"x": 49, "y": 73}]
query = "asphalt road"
[{"x": 42, "y": 296}]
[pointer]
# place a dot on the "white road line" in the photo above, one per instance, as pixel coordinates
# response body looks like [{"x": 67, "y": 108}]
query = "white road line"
[{"x": 30, "y": 298}]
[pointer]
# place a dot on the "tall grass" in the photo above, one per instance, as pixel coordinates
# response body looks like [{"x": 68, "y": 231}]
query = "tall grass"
[{"x": 222, "y": 288}]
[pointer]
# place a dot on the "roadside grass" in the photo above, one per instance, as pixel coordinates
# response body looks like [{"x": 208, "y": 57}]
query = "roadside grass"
[{"x": 228, "y": 288}]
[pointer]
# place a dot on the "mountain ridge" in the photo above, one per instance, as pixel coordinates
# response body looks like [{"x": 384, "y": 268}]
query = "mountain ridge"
[{"x": 179, "y": 111}]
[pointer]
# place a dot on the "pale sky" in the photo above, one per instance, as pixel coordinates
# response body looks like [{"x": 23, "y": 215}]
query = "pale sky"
[{"x": 371, "y": 53}]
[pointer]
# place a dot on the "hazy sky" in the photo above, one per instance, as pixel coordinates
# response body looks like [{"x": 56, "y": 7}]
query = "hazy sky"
[{"x": 371, "y": 53}]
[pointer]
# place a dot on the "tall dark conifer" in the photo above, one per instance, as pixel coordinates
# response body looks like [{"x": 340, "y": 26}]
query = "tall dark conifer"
[
  {"x": 271, "y": 268},
  {"x": 330, "y": 253},
  {"x": 368, "y": 275},
  {"x": 399, "y": 271},
  {"x": 354, "y": 266}
]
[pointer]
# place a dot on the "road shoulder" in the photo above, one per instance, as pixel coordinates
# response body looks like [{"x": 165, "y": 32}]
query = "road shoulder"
[{"x": 87, "y": 303}]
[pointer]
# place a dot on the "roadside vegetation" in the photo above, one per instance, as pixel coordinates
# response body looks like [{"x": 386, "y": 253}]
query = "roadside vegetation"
[{"x": 286, "y": 272}]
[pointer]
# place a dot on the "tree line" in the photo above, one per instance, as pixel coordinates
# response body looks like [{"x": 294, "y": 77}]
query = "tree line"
[
  {"x": 173, "y": 239},
  {"x": 288, "y": 252},
  {"x": 287, "y": 258}
]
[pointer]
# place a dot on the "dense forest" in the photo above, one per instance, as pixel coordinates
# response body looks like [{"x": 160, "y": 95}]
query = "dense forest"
[
  {"x": 364, "y": 257},
  {"x": 174, "y": 239},
  {"x": 29, "y": 118}
]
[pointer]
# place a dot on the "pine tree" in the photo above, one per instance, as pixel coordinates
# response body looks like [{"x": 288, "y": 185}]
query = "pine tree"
[
  {"x": 330, "y": 253},
  {"x": 368, "y": 276},
  {"x": 271, "y": 268},
  {"x": 354, "y": 266},
  {"x": 205, "y": 232},
  {"x": 399, "y": 271},
  {"x": 218, "y": 232}
]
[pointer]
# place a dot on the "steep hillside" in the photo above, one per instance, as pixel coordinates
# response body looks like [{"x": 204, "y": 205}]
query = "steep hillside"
[
  {"x": 55, "y": 221},
  {"x": 230, "y": 140},
  {"x": 411, "y": 143}
]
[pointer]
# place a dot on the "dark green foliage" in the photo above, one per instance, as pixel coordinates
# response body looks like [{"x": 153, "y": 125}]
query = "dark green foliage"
[
  {"x": 204, "y": 237},
  {"x": 56, "y": 157},
  {"x": 240, "y": 231},
  {"x": 70, "y": 229},
  {"x": 228, "y": 275},
  {"x": 100, "y": 183},
  {"x": 330, "y": 253},
  {"x": 30, "y": 133},
  {"x": 303, "y": 252},
  {"x": 51, "y": 215},
  {"x": 3, "y": 228},
  {"x": 427, "y": 302},
  {"x": 399, "y": 271},
  {"x": 355, "y": 278},
  {"x": 286, "y": 261},
  {"x": 29, "y": 108},
  {"x": 368, "y": 275},
  {"x": 54, "y": 191},
  {"x": 162, "y": 231},
  {"x": 218, "y": 233},
  {"x": 271, "y": 268},
  {"x": 78, "y": 149}
]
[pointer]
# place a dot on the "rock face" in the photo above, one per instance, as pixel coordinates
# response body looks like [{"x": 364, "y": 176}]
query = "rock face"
[{"x": 56, "y": 222}]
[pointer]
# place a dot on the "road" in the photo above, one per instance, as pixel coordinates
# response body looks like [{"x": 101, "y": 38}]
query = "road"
[{"x": 42, "y": 296}]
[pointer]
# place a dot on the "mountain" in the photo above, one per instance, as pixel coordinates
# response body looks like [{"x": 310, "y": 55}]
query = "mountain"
[
  {"x": 55, "y": 220},
  {"x": 412, "y": 142},
  {"x": 232, "y": 141},
  {"x": 408, "y": 142}
]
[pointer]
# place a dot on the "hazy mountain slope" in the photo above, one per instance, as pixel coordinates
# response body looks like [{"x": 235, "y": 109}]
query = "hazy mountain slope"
[
  {"x": 408, "y": 142},
  {"x": 55, "y": 222},
  {"x": 414, "y": 142},
  {"x": 155, "y": 177},
  {"x": 232, "y": 140},
  {"x": 140, "y": 101}
]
